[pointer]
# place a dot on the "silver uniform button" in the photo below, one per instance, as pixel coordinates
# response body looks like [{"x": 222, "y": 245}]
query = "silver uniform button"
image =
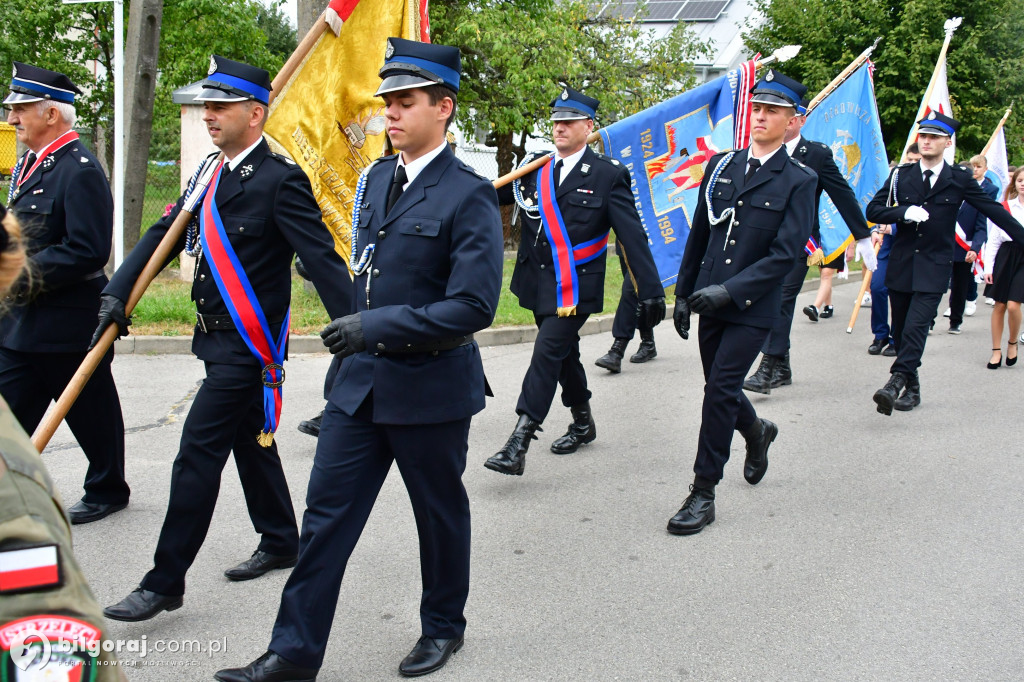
[
  {"x": 732, "y": 242},
  {"x": 242, "y": 228},
  {"x": 739, "y": 203},
  {"x": 376, "y": 272},
  {"x": 380, "y": 346},
  {"x": 748, "y": 303},
  {"x": 728, "y": 261},
  {"x": 202, "y": 301},
  {"x": 202, "y": 278}
]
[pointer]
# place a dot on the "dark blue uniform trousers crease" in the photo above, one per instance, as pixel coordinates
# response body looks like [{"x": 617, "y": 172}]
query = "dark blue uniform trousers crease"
[
  {"x": 353, "y": 457},
  {"x": 226, "y": 417},
  {"x": 627, "y": 315},
  {"x": 777, "y": 342},
  {"x": 912, "y": 315},
  {"x": 29, "y": 381},
  {"x": 556, "y": 360},
  {"x": 727, "y": 351},
  {"x": 880, "y": 293}
]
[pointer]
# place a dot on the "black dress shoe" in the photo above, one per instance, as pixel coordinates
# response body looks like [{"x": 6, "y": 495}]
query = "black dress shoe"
[
  {"x": 612, "y": 360},
  {"x": 87, "y": 512},
  {"x": 827, "y": 312},
  {"x": 811, "y": 311},
  {"x": 268, "y": 668},
  {"x": 311, "y": 427},
  {"x": 886, "y": 396},
  {"x": 258, "y": 564},
  {"x": 697, "y": 511},
  {"x": 511, "y": 459},
  {"x": 890, "y": 351},
  {"x": 758, "y": 438},
  {"x": 142, "y": 605},
  {"x": 647, "y": 350},
  {"x": 429, "y": 655},
  {"x": 876, "y": 347}
]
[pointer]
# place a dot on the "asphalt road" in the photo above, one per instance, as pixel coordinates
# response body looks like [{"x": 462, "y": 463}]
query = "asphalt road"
[{"x": 876, "y": 548}]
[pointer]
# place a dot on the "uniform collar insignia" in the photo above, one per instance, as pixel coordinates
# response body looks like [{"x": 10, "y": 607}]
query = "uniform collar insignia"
[
  {"x": 584, "y": 168},
  {"x": 803, "y": 149},
  {"x": 246, "y": 170},
  {"x": 48, "y": 162}
]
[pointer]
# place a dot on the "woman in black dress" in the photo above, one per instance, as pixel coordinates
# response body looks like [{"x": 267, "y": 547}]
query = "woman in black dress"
[{"x": 1004, "y": 275}]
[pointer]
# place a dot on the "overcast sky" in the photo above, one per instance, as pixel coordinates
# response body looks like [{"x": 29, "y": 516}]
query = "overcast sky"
[{"x": 288, "y": 8}]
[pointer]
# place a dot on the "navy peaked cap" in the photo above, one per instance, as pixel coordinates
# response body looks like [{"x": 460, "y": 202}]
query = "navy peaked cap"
[
  {"x": 35, "y": 84},
  {"x": 231, "y": 81},
  {"x": 937, "y": 123},
  {"x": 411, "y": 64},
  {"x": 779, "y": 89}
]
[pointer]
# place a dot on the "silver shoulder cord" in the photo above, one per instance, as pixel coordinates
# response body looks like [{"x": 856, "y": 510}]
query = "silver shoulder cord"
[
  {"x": 729, "y": 213},
  {"x": 359, "y": 263},
  {"x": 893, "y": 196}
]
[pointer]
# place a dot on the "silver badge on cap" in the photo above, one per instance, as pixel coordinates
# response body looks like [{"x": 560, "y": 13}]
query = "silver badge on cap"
[
  {"x": 213, "y": 66},
  {"x": 14, "y": 73},
  {"x": 931, "y": 116},
  {"x": 770, "y": 77},
  {"x": 565, "y": 95},
  {"x": 390, "y": 51}
]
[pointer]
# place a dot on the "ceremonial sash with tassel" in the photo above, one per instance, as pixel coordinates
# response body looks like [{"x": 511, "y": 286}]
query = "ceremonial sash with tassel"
[
  {"x": 20, "y": 174},
  {"x": 245, "y": 310},
  {"x": 564, "y": 255},
  {"x": 961, "y": 239},
  {"x": 815, "y": 256}
]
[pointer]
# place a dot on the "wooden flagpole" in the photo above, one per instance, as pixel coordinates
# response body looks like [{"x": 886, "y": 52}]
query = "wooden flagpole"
[
  {"x": 988, "y": 145},
  {"x": 865, "y": 283},
  {"x": 44, "y": 432},
  {"x": 841, "y": 78}
]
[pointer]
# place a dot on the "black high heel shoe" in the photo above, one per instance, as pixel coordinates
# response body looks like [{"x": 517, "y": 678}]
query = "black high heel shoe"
[
  {"x": 995, "y": 365},
  {"x": 1010, "y": 362}
]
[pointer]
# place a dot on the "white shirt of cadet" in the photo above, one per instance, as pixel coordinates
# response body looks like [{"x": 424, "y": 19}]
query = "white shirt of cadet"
[
  {"x": 232, "y": 164},
  {"x": 762, "y": 159},
  {"x": 414, "y": 168},
  {"x": 791, "y": 145},
  {"x": 936, "y": 169},
  {"x": 569, "y": 162}
]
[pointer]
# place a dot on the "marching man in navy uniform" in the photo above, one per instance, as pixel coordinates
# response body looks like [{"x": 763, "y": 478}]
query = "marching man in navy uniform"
[
  {"x": 923, "y": 200},
  {"x": 570, "y": 205},
  {"x": 755, "y": 212},
  {"x": 258, "y": 211},
  {"x": 427, "y": 255},
  {"x": 60, "y": 195},
  {"x": 775, "y": 369}
]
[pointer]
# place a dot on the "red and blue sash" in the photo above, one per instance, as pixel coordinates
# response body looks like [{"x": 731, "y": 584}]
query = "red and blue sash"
[
  {"x": 564, "y": 255},
  {"x": 245, "y": 310},
  {"x": 811, "y": 246}
]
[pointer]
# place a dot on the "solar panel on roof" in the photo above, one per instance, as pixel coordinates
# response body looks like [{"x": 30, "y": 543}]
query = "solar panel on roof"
[
  {"x": 702, "y": 10},
  {"x": 623, "y": 10},
  {"x": 660, "y": 10}
]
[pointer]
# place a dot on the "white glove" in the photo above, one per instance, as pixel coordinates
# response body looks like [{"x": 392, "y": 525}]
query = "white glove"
[
  {"x": 866, "y": 252},
  {"x": 915, "y": 214}
]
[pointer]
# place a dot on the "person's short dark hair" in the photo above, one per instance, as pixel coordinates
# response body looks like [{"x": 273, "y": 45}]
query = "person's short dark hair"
[
  {"x": 913, "y": 149},
  {"x": 436, "y": 93}
]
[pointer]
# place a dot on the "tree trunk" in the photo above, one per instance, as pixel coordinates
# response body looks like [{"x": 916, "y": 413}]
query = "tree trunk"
[
  {"x": 306, "y": 14},
  {"x": 506, "y": 158},
  {"x": 141, "y": 53}
]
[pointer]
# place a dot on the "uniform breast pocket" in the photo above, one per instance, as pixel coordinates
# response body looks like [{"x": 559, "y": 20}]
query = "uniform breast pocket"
[
  {"x": 585, "y": 201},
  {"x": 723, "y": 192},
  {"x": 243, "y": 226},
  {"x": 765, "y": 212},
  {"x": 422, "y": 247},
  {"x": 34, "y": 206}
]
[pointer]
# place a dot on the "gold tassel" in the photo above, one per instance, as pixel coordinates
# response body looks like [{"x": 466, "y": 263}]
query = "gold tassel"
[
  {"x": 816, "y": 258},
  {"x": 566, "y": 311},
  {"x": 265, "y": 439}
]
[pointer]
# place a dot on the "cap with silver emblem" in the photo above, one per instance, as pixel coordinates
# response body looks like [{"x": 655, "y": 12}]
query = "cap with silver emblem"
[
  {"x": 34, "y": 84},
  {"x": 573, "y": 105},
  {"x": 231, "y": 81},
  {"x": 778, "y": 89},
  {"x": 936, "y": 123},
  {"x": 410, "y": 64}
]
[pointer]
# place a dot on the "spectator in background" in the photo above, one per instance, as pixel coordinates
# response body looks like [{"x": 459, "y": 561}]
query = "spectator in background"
[
  {"x": 973, "y": 226},
  {"x": 1004, "y": 275}
]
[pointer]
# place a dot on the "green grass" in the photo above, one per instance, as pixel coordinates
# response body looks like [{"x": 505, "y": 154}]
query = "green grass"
[{"x": 167, "y": 309}]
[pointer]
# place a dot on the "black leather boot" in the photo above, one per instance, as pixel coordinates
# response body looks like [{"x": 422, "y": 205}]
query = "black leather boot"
[
  {"x": 783, "y": 375},
  {"x": 582, "y": 430},
  {"x": 647, "y": 350},
  {"x": 698, "y": 510},
  {"x": 511, "y": 459},
  {"x": 885, "y": 397},
  {"x": 612, "y": 360},
  {"x": 761, "y": 380},
  {"x": 758, "y": 437},
  {"x": 911, "y": 397}
]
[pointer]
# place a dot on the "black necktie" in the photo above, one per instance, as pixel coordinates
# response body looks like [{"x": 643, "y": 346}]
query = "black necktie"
[
  {"x": 752, "y": 167},
  {"x": 928, "y": 178},
  {"x": 397, "y": 186},
  {"x": 29, "y": 160},
  {"x": 558, "y": 172}
]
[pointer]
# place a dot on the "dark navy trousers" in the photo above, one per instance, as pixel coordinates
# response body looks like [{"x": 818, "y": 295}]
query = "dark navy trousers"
[
  {"x": 225, "y": 417},
  {"x": 880, "y": 293},
  {"x": 353, "y": 457},
  {"x": 727, "y": 351},
  {"x": 777, "y": 342},
  {"x": 555, "y": 361},
  {"x": 912, "y": 315},
  {"x": 29, "y": 381}
]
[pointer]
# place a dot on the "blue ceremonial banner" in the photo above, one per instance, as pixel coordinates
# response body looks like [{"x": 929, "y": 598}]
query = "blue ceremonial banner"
[
  {"x": 666, "y": 149},
  {"x": 847, "y": 121}
]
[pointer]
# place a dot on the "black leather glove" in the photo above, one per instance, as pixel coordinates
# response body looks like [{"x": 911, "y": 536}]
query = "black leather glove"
[
  {"x": 681, "y": 317},
  {"x": 301, "y": 269},
  {"x": 709, "y": 298},
  {"x": 652, "y": 311},
  {"x": 111, "y": 312},
  {"x": 344, "y": 336}
]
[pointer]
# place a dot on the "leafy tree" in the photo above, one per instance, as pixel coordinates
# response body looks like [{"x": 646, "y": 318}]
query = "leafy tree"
[
  {"x": 514, "y": 53},
  {"x": 67, "y": 37},
  {"x": 985, "y": 62}
]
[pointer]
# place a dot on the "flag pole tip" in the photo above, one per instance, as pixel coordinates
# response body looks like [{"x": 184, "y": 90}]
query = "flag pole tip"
[{"x": 786, "y": 52}]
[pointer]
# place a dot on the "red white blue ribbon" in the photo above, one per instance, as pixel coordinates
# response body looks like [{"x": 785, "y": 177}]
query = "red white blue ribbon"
[
  {"x": 245, "y": 309},
  {"x": 564, "y": 255}
]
